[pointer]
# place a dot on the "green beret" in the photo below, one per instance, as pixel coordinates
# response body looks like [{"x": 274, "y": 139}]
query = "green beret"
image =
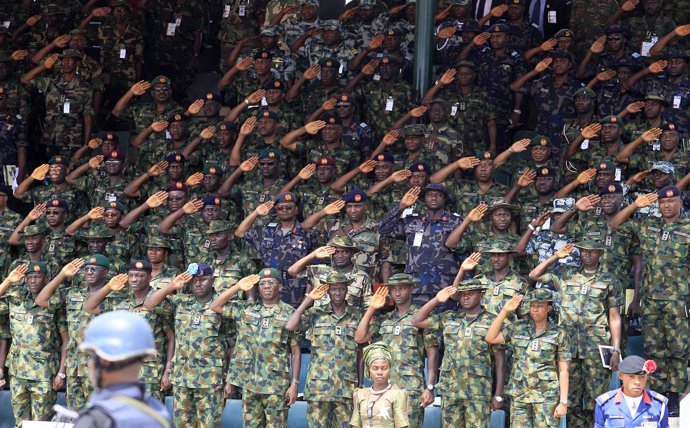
[
  {"x": 606, "y": 166},
  {"x": 115, "y": 205},
  {"x": 271, "y": 273},
  {"x": 269, "y": 153},
  {"x": 97, "y": 260},
  {"x": 227, "y": 126},
  {"x": 391, "y": 59},
  {"x": 160, "y": 80},
  {"x": 212, "y": 168},
  {"x": 486, "y": 155},
  {"x": 585, "y": 93},
  {"x": 59, "y": 160},
  {"x": 337, "y": 277},
  {"x": 540, "y": 140},
  {"x": 33, "y": 230},
  {"x": 401, "y": 279},
  {"x": 217, "y": 226},
  {"x": 37, "y": 267},
  {"x": 266, "y": 113},
  {"x": 611, "y": 119},
  {"x": 329, "y": 62}
]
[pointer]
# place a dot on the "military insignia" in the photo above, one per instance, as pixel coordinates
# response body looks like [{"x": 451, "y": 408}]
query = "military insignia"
[
  {"x": 267, "y": 272},
  {"x": 487, "y": 155},
  {"x": 664, "y": 236},
  {"x": 55, "y": 202},
  {"x": 288, "y": 197},
  {"x": 265, "y": 323},
  {"x": 420, "y": 167},
  {"x": 358, "y": 198},
  {"x": 266, "y": 114},
  {"x": 497, "y": 29},
  {"x": 329, "y": 63},
  {"x": 568, "y": 34},
  {"x": 264, "y": 55},
  {"x": 109, "y": 137},
  {"x": 614, "y": 119},
  {"x": 496, "y": 291},
  {"x": 58, "y": 158},
  {"x": 396, "y": 331},
  {"x": 207, "y": 244},
  {"x": 92, "y": 260},
  {"x": 178, "y": 117},
  {"x": 276, "y": 84},
  {"x": 196, "y": 320},
  {"x": 324, "y": 161},
  {"x": 544, "y": 171},
  {"x": 669, "y": 193},
  {"x": 612, "y": 188},
  {"x": 223, "y": 127},
  {"x": 391, "y": 33},
  {"x": 212, "y": 170},
  {"x": 178, "y": 157},
  {"x": 113, "y": 155},
  {"x": 584, "y": 289},
  {"x": 602, "y": 166},
  {"x": 385, "y": 60},
  {"x": 343, "y": 98},
  {"x": 380, "y": 157},
  {"x": 37, "y": 268},
  {"x": 217, "y": 201},
  {"x": 542, "y": 141},
  {"x": 608, "y": 241},
  {"x": 139, "y": 265},
  {"x": 338, "y": 330},
  {"x": 535, "y": 345},
  {"x": 178, "y": 185},
  {"x": 671, "y": 127},
  {"x": 163, "y": 80},
  {"x": 209, "y": 96},
  {"x": 468, "y": 332},
  {"x": 113, "y": 205},
  {"x": 320, "y": 201},
  {"x": 331, "y": 120},
  {"x": 30, "y": 319}
]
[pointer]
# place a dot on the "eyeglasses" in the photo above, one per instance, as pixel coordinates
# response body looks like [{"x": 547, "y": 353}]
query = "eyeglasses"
[
  {"x": 284, "y": 207},
  {"x": 616, "y": 38},
  {"x": 161, "y": 89}
]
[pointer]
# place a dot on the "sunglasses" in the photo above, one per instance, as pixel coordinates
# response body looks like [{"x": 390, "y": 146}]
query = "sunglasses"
[{"x": 614, "y": 38}]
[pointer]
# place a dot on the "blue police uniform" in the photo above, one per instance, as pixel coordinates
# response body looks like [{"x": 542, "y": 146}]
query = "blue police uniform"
[
  {"x": 612, "y": 411},
  {"x": 124, "y": 405}
]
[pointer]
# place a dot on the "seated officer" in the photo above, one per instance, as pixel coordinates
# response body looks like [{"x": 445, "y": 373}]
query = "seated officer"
[{"x": 633, "y": 405}]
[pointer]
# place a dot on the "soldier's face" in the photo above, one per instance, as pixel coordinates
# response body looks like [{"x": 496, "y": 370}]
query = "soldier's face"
[
  {"x": 268, "y": 168},
  {"x": 211, "y": 108},
  {"x": 611, "y": 202},
  {"x": 219, "y": 240},
  {"x": 342, "y": 257},
  {"x": 287, "y": 211},
  {"x": 499, "y": 261},
  {"x": 538, "y": 311},
  {"x": 202, "y": 286},
  {"x": 652, "y": 109},
  {"x": 383, "y": 170},
  {"x": 77, "y": 42},
  {"x": 309, "y": 12},
  {"x": 57, "y": 173},
  {"x": 69, "y": 65},
  {"x": 355, "y": 211},
  {"x": 211, "y": 182},
  {"x": 434, "y": 200},
  {"x": 623, "y": 73},
  {"x": 325, "y": 173},
  {"x": 501, "y": 218},
  {"x": 331, "y": 37},
  {"x": 337, "y": 292},
  {"x": 178, "y": 130},
  {"x": 96, "y": 245},
  {"x": 211, "y": 212},
  {"x": 224, "y": 138},
  {"x": 515, "y": 11},
  {"x": 55, "y": 216},
  {"x": 603, "y": 178},
  {"x": 615, "y": 41},
  {"x": 651, "y": 7},
  {"x": 438, "y": 113},
  {"x": 669, "y": 140},
  {"x": 484, "y": 171},
  {"x": 274, "y": 96},
  {"x": 138, "y": 280},
  {"x": 540, "y": 154},
  {"x": 413, "y": 143},
  {"x": 33, "y": 244},
  {"x": 366, "y": 14},
  {"x": 410, "y": 12},
  {"x": 112, "y": 218},
  {"x": 565, "y": 43},
  {"x": 544, "y": 185},
  {"x": 94, "y": 274},
  {"x": 380, "y": 371},
  {"x": 266, "y": 126},
  {"x": 590, "y": 258},
  {"x": 176, "y": 199},
  {"x": 345, "y": 111},
  {"x": 269, "y": 289},
  {"x": 114, "y": 166},
  {"x": 120, "y": 13},
  {"x": 661, "y": 179},
  {"x": 584, "y": 104},
  {"x": 161, "y": 93},
  {"x": 109, "y": 146},
  {"x": 175, "y": 170},
  {"x": 387, "y": 71},
  {"x": 669, "y": 207},
  {"x": 470, "y": 299},
  {"x": 401, "y": 294},
  {"x": 633, "y": 384},
  {"x": 392, "y": 43},
  {"x": 268, "y": 42},
  {"x": 561, "y": 66},
  {"x": 499, "y": 40},
  {"x": 156, "y": 255},
  {"x": 676, "y": 67},
  {"x": 35, "y": 282},
  {"x": 262, "y": 66},
  {"x": 419, "y": 179},
  {"x": 610, "y": 133},
  {"x": 465, "y": 76},
  {"x": 331, "y": 133}
]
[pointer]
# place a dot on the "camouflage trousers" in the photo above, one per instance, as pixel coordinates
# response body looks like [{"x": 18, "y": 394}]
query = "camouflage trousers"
[
  {"x": 534, "y": 415},
  {"x": 588, "y": 380},
  {"x": 416, "y": 414},
  {"x": 464, "y": 413},
  {"x": 264, "y": 410},
  {"x": 329, "y": 414},
  {"x": 78, "y": 392},
  {"x": 32, "y": 399},
  {"x": 197, "y": 407},
  {"x": 664, "y": 337},
  {"x": 154, "y": 389}
]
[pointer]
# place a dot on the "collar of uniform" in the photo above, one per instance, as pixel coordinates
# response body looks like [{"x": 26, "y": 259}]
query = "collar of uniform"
[
  {"x": 444, "y": 217},
  {"x": 532, "y": 329},
  {"x": 645, "y": 397}
]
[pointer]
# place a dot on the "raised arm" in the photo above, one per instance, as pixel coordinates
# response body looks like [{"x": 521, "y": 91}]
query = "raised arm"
[
  {"x": 541, "y": 268},
  {"x": 378, "y": 300},
  {"x": 157, "y": 297},
  {"x": 116, "y": 283},
  {"x": 475, "y": 215},
  {"x": 154, "y": 201},
  {"x": 261, "y": 210},
  {"x": 245, "y": 284},
  {"x": 493, "y": 335},
  {"x": 136, "y": 90},
  {"x": 301, "y": 264},
  {"x": 463, "y": 163},
  {"x": 680, "y": 31},
  {"x": 68, "y": 271},
  {"x": 340, "y": 183},
  {"x": 93, "y": 214}
]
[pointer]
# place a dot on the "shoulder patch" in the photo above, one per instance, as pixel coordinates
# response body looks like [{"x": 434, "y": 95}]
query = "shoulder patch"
[
  {"x": 536, "y": 26},
  {"x": 603, "y": 398}
]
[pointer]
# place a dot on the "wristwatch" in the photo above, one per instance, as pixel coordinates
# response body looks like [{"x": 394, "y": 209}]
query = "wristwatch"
[
  {"x": 564, "y": 402},
  {"x": 498, "y": 398},
  {"x": 430, "y": 387},
  {"x": 62, "y": 375}
]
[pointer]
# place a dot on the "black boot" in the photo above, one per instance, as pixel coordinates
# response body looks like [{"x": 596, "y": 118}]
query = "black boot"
[{"x": 673, "y": 404}]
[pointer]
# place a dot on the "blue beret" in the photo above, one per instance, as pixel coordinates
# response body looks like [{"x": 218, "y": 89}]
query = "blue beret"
[
  {"x": 669, "y": 192},
  {"x": 612, "y": 188},
  {"x": 141, "y": 265},
  {"x": 199, "y": 269},
  {"x": 211, "y": 200},
  {"x": 285, "y": 197},
  {"x": 57, "y": 203},
  {"x": 384, "y": 157},
  {"x": 356, "y": 196}
]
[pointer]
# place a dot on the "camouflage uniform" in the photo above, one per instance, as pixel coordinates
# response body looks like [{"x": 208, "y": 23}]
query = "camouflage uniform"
[
  {"x": 199, "y": 362},
  {"x": 375, "y": 96},
  {"x": 43, "y": 193},
  {"x": 120, "y": 54},
  {"x": 499, "y": 292},
  {"x": 469, "y": 116},
  {"x": 8, "y": 222},
  {"x": 60, "y": 247},
  {"x": 34, "y": 356},
  {"x": 239, "y": 19},
  {"x": 358, "y": 291},
  {"x": 253, "y": 193},
  {"x": 588, "y": 18},
  {"x": 585, "y": 301},
  {"x": 143, "y": 114},
  {"x": 495, "y": 75},
  {"x": 100, "y": 191},
  {"x": 345, "y": 157},
  {"x": 408, "y": 345},
  {"x": 280, "y": 250},
  {"x": 314, "y": 50},
  {"x": 66, "y": 102},
  {"x": 165, "y": 277},
  {"x": 295, "y": 28},
  {"x": 467, "y": 194},
  {"x": 533, "y": 385},
  {"x": 365, "y": 238},
  {"x": 664, "y": 288},
  {"x": 13, "y": 136},
  {"x": 465, "y": 383},
  {"x": 332, "y": 376},
  {"x": 524, "y": 36},
  {"x": 260, "y": 361},
  {"x": 648, "y": 30},
  {"x": 18, "y": 98},
  {"x": 161, "y": 321},
  {"x": 428, "y": 259}
]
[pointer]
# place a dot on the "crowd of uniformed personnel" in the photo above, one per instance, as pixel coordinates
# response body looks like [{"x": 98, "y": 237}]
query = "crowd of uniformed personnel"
[{"x": 314, "y": 200}]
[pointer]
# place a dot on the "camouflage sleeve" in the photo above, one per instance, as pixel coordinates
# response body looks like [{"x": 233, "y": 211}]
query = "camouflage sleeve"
[
  {"x": 233, "y": 309},
  {"x": 88, "y": 103},
  {"x": 551, "y": 278},
  {"x": 307, "y": 320},
  {"x": 631, "y": 228},
  {"x": 616, "y": 291},
  {"x": 431, "y": 337},
  {"x": 60, "y": 319},
  {"x": 40, "y": 83},
  {"x": 564, "y": 347},
  {"x": 253, "y": 236},
  {"x": 436, "y": 321},
  {"x": 507, "y": 331},
  {"x": 392, "y": 225},
  {"x": 374, "y": 328}
]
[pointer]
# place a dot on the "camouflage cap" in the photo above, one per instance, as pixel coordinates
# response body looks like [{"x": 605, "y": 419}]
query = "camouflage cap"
[
  {"x": 310, "y": 3},
  {"x": 564, "y": 32},
  {"x": 500, "y": 246},
  {"x": 617, "y": 29},
  {"x": 669, "y": 192},
  {"x": 33, "y": 230},
  {"x": 337, "y": 277},
  {"x": 52, "y": 9},
  {"x": 461, "y": 2},
  {"x": 115, "y": 205},
  {"x": 158, "y": 242},
  {"x": 331, "y": 25},
  {"x": 539, "y": 295},
  {"x": 441, "y": 101},
  {"x": 402, "y": 279},
  {"x": 467, "y": 64},
  {"x": 217, "y": 226},
  {"x": 329, "y": 62},
  {"x": 561, "y": 53},
  {"x": 342, "y": 242},
  {"x": 160, "y": 80},
  {"x": 663, "y": 166},
  {"x": 271, "y": 273},
  {"x": 471, "y": 285},
  {"x": 38, "y": 267},
  {"x": 656, "y": 96},
  {"x": 414, "y": 129},
  {"x": 140, "y": 265},
  {"x": 97, "y": 260},
  {"x": 677, "y": 53},
  {"x": 77, "y": 32},
  {"x": 269, "y": 153},
  {"x": 612, "y": 189},
  {"x": 121, "y": 3},
  {"x": 503, "y": 203},
  {"x": 585, "y": 93},
  {"x": 355, "y": 196},
  {"x": 590, "y": 244},
  {"x": 540, "y": 140},
  {"x": 561, "y": 205},
  {"x": 367, "y": 3},
  {"x": 97, "y": 232},
  {"x": 271, "y": 31},
  {"x": 438, "y": 187}
]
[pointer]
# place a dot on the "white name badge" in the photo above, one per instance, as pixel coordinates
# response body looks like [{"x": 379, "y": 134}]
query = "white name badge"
[
  {"x": 676, "y": 101},
  {"x": 551, "y": 17},
  {"x": 242, "y": 10},
  {"x": 417, "y": 239},
  {"x": 226, "y": 11},
  {"x": 389, "y": 104},
  {"x": 170, "y": 31},
  {"x": 66, "y": 107},
  {"x": 585, "y": 144},
  {"x": 123, "y": 53}
]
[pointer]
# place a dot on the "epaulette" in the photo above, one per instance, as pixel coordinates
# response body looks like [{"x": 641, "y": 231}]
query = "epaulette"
[
  {"x": 536, "y": 26},
  {"x": 515, "y": 54},
  {"x": 636, "y": 55},
  {"x": 603, "y": 398},
  {"x": 658, "y": 397},
  {"x": 272, "y": 225}
]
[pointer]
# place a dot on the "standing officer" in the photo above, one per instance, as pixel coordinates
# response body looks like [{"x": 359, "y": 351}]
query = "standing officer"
[
  {"x": 118, "y": 342},
  {"x": 643, "y": 407}
]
